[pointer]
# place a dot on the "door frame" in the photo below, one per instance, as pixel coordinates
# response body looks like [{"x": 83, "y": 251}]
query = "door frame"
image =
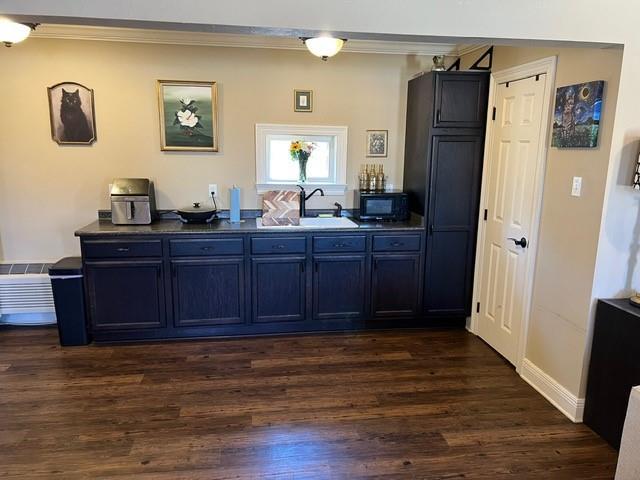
[{"x": 543, "y": 66}]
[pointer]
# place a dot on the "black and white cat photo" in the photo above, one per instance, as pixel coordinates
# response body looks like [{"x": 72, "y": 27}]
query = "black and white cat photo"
[
  {"x": 72, "y": 118},
  {"x": 74, "y": 121}
]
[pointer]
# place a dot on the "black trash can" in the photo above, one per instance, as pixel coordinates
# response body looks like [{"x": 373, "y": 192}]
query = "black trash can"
[{"x": 68, "y": 295}]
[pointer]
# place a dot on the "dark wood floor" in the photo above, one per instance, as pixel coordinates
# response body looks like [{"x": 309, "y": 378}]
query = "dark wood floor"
[{"x": 391, "y": 405}]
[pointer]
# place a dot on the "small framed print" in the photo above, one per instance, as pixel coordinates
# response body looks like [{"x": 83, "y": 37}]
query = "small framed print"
[
  {"x": 303, "y": 101},
  {"x": 377, "y": 141}
]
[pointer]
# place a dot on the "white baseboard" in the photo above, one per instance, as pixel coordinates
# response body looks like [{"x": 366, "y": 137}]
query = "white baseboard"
[{"x": 549, "y": 388}]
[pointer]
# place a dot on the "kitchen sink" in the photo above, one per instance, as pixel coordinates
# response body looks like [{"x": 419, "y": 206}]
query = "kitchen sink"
[{"x": 313, "y": 222}]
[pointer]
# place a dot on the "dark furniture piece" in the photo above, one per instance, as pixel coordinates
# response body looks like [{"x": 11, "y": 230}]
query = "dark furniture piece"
[
  {"x": 68, "y": 296},
  {"x": 614, "y": 368},
  {"x": 244, "y": 281},
  {"x": 446, "y": 119}
]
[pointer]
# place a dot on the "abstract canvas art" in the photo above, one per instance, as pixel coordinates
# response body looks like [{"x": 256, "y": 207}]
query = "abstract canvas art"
[{"x": 576, "y": 117}]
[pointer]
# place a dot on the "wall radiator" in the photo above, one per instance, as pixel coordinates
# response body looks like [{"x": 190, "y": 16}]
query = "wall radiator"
[{"x": 25, "y": 295}]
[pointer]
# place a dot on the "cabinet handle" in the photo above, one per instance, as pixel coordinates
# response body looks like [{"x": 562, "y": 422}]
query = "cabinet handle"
[
  {"x": 302, "y": 267},
  {"x": 122, "y": 249},
  {"x": 340, "y": 245},
  {"x": 438, "y": 116},
  {"x": 375, "y": 264},
  {"x": 279, "y": 246},
  {"x": 207, "y": 248},
  {"x": 315, "y": 266},
  {"x": 397, "y": 244}
]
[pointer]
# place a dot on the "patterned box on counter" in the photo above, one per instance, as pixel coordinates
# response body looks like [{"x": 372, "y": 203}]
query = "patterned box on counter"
[{"x": 281, "y": 207}]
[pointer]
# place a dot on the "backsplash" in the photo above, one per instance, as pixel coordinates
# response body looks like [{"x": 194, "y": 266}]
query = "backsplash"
[{"x": 244, "y": 213}]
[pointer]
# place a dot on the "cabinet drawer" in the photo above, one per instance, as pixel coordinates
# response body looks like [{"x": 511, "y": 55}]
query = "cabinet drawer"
[
  {"x": 396, "y": 243},
  {"x": 355, "y": 243},
  {"x": 122, "y": 249},
  {"x": 197, "y": 247},
  {"x": 262, "y": 245}
]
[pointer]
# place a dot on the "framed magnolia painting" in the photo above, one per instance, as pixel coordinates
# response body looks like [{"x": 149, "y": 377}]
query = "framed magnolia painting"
[{"x": 188, "y": 116}]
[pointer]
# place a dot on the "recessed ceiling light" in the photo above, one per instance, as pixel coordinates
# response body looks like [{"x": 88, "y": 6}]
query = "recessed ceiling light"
[{"x": 325, "y": 46}]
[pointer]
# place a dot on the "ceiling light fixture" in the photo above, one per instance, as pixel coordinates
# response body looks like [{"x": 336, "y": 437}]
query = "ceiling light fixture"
[
  {"x": 323, "y": 47},
  {"x": 14, "y": 32}
]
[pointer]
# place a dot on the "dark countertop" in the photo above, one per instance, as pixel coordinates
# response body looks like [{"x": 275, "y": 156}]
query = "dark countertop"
[
  {"x": 623, "y": 304},
  {"x": 176, "y": 227}
]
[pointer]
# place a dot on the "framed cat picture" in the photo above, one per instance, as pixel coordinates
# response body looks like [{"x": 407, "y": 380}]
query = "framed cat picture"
[
  {"x": 188, "y": 116},
  {"x": 72, "y": 114}
]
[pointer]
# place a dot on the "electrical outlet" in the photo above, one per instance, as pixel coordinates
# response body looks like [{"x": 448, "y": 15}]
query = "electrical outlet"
[{"x": 213, "y": 190}]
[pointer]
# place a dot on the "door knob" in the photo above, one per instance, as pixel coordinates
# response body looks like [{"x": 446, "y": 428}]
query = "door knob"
[{"x": 521, "y": 243}]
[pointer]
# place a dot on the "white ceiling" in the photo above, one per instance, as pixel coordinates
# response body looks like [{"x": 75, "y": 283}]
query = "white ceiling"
[{"x": 176, "y": 37}]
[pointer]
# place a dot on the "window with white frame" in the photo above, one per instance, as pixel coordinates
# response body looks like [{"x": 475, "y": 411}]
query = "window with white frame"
[{"x": 326, "y": 167}]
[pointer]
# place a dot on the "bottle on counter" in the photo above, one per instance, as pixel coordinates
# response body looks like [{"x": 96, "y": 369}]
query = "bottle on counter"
[
  {"x": 380, "y": 179},
  {"x": 373, "y": 179},
  {"x": 363, "y": 177}
]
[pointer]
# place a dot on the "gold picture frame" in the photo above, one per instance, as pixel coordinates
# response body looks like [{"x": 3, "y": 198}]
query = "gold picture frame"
[
  {"x": 188, "y": 115},
  {"x": 72, "y": 114},
  {"x": 303, "y": 100}
]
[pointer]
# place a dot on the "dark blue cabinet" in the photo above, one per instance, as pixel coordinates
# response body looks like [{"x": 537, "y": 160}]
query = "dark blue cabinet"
[
  {"x": 444, "y": 140},
  {"x": 453, "y": 221},
  {"x": 395, "y": 285},
  {"x": 255, "y": 283},
  {"x": 125, "y": 294},
  {"x": 338, "y": 286},
  {"x": 460, "y": 100},
  {"x": 278, "y": 285},
  {"x": 208, "y": 291}
]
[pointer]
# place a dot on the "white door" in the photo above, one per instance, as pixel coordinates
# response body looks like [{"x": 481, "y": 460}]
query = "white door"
[{"x": 509, "y": 200}]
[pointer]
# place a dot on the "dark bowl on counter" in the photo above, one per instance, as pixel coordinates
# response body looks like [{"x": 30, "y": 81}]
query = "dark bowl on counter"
[{"x": 197, "y": 214}]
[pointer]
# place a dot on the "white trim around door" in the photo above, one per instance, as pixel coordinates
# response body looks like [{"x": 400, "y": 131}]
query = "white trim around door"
[{"x": 545, "y": 66}]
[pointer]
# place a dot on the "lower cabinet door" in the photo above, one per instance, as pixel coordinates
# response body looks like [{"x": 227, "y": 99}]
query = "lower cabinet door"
[
  {"x": 338, "y": 287},
  {"x": 278, "y": 289},
  {"x": 395, "y": 283},
  {"x": 208, "y": 291},
  {"x": 125, "y": 294}
]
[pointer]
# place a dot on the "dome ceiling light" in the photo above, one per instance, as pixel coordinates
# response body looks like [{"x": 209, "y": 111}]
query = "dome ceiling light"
[
  {"x": 14, "y": 32},
  {"x": 323, "y": 47}
]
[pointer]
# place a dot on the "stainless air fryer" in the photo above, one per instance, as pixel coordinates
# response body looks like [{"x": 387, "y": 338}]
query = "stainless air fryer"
[{"x": 132, "y": 201}]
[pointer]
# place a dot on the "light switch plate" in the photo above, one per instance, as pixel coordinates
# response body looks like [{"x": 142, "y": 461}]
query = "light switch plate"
[{"x": 576, "y": 187}]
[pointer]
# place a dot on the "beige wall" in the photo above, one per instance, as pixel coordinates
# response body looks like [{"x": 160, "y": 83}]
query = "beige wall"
[
  {"x": 558, "y": 328},
  {"x": 47, "y": 191}
]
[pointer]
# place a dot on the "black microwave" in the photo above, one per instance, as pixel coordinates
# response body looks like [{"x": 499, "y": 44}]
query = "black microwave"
[{"x": 392, "y": 205}]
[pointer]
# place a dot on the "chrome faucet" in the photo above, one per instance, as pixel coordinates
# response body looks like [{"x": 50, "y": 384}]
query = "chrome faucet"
[{"x": 304, "y": 197}]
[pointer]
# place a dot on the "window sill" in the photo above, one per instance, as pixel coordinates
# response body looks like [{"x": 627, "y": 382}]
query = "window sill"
[{"x": 327, "y": 188}]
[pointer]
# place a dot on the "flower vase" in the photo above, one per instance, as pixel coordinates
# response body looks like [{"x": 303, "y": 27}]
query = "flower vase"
[{"x": 302, "y": 161}]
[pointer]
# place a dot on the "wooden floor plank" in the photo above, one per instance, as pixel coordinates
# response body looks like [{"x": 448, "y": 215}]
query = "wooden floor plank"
[{"x": 419, "y": 404}]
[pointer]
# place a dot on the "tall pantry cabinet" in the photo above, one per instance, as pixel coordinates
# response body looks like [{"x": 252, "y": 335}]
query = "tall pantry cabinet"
[{"x": 446, "y": 120}]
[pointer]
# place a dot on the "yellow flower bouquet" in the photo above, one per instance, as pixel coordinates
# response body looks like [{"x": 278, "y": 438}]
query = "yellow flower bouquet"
[{"x": 300, "y": 152}]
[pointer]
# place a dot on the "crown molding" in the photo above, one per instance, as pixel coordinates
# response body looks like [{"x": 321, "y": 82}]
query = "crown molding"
[
  {"x": 177, "y": 37},
  {"x": 464, "y": 49}
]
